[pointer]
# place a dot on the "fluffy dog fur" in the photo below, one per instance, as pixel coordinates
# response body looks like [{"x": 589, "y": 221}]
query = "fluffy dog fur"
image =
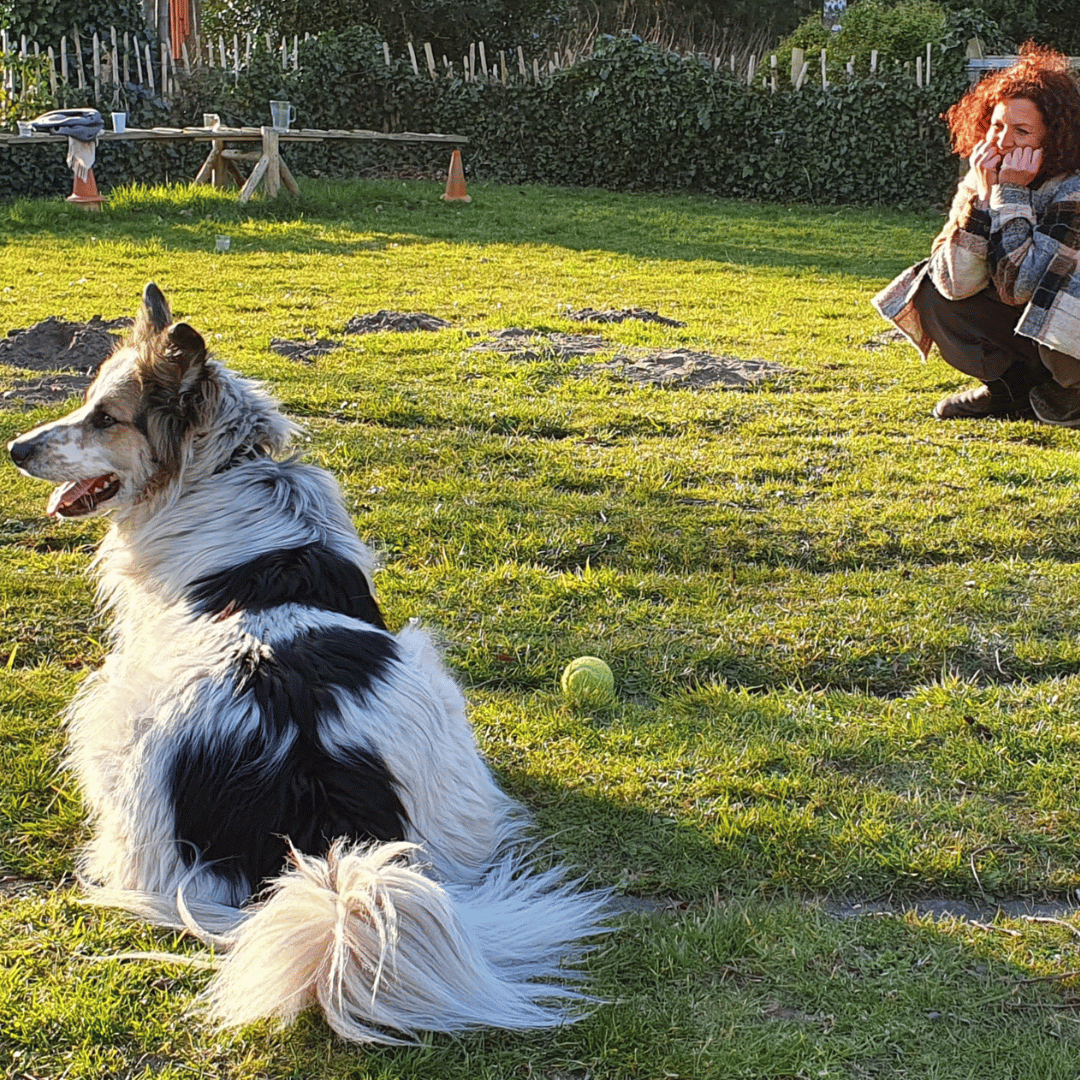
[{"x": 261, "y": 759}]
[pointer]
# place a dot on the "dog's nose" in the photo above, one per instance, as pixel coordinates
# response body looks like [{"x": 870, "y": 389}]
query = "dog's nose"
[{"x": 19, "y": 451}]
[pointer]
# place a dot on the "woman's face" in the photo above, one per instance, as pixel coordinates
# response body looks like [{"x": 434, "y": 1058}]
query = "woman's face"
[{"x": 1016, "y": 122}]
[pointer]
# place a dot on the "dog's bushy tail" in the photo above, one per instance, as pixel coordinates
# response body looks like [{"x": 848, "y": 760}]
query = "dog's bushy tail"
[{"x": 387, "y": 952}]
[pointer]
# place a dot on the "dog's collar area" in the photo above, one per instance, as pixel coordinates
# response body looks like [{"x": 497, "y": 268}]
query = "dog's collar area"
[{"x": 240, "y": 455}]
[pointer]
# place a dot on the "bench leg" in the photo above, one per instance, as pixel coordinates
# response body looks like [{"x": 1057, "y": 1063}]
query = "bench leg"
[
  {"x": 287, "y": 178},
  {"x": 253, "y": 180}
]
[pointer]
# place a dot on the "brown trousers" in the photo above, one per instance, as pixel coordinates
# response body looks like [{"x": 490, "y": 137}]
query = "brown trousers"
[{"x": 977, "y": 336}]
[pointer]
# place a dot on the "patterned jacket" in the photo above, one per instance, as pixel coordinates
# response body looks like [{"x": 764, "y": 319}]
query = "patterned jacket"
[{"x": 1026, "y": 245}]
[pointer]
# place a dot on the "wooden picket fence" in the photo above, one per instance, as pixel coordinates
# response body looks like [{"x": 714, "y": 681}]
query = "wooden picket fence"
[{"x": 123, "y": 58}]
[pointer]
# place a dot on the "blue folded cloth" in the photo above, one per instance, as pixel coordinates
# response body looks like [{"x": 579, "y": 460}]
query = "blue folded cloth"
[{"x": 82, "y": 124}]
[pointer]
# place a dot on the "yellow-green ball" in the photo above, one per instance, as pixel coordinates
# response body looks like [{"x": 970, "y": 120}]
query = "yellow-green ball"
[{"x": 588, "y": 680}]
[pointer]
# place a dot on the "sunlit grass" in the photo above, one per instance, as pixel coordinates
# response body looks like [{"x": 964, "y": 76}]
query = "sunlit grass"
[{"x": 845, "y": 636}]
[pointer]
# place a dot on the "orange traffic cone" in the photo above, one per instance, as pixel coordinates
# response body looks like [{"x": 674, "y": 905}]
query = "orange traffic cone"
[
  {"x": 455, "y": 180},
  {"x": 84, "y": 193}
]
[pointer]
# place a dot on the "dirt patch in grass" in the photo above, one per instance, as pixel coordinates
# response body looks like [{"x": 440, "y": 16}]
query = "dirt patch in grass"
[
  {"x": 886, "y": 337},
  {"x": 67, "y": 354},
  {"x": 304, "y": 352},
  {"x": 401, "y": 321},
  {"x": 676, "y": 368},
  {"x": 610, "y": 315}
]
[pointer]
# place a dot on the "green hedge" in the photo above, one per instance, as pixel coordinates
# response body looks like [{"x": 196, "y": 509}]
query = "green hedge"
[{"x": 630, "y": 117}]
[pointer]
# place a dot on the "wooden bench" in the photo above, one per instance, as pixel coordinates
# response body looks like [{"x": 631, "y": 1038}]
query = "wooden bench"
[{"x": 220, "y": 167}]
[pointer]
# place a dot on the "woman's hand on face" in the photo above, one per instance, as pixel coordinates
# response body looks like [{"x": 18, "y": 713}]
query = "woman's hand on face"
[
  {"x": 985, "y": 160},
  {"x": 1020, "y": 166}
]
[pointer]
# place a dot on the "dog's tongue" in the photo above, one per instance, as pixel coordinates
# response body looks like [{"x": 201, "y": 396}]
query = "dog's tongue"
[{"x": 63, "y": 497}]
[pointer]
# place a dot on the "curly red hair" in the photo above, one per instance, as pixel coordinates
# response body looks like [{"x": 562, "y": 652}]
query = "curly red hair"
[{"x": 1042, "y": 76}]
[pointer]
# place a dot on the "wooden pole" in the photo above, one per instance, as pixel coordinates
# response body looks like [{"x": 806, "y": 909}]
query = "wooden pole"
[
  {"x": 430, "y": 57},
  {"x": 824, "y": 77},
  {"x": 149, "y": 69},
  {"x": 52, "y": 72},
  {"x": 412, "y": 57},
  {"x": 483, "y": 60},
  {"x": 96, "y": 47},
  {"x": 797, "y": 58},
  {"x": 78, "y": 59},
  {"x": 63, "y": 60}
]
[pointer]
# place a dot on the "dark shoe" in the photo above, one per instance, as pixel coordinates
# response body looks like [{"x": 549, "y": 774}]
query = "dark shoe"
[
  {"x": 990, "y": 399},
  {"x": 1055, "y": 404}
]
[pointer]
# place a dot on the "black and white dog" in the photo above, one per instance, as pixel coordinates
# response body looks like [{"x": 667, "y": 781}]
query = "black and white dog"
[{"x": 262, "y": 760}]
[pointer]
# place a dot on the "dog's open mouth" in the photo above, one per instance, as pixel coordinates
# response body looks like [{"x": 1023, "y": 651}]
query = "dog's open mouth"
[{"x": 83, "y": 496}]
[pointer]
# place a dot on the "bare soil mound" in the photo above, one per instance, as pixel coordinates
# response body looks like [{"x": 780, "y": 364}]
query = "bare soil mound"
[
  {"x": 610, "y": 315},
  {"x": 676, "y": 368},
  {"x": 401, "y": 321},
  {"x": 304, "y": 352},
  {"x": 67, "y": 354}
]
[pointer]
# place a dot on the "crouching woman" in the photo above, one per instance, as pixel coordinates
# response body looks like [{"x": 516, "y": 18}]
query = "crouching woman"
[{"x": 1000, "y": 293}]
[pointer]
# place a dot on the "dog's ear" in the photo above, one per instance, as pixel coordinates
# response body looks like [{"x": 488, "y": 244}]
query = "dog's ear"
[
  {"x": 186, "y": 351},
  {"x": 154, "y": 314},
  {"x": 174, "y": 374}
]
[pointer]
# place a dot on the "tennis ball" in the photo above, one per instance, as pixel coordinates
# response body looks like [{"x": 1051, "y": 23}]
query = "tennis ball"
[{"x": 588, "y": 680}]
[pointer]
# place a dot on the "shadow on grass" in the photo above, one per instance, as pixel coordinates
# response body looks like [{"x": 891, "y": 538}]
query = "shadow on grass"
[{"x": 375, "y": 213}]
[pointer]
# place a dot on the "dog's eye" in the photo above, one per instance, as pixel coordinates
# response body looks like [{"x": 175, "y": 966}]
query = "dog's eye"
[{"x": 101, "y": 419}]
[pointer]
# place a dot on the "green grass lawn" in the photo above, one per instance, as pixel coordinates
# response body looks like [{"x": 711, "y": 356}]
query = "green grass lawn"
[{"x": 846, "y": 637}]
